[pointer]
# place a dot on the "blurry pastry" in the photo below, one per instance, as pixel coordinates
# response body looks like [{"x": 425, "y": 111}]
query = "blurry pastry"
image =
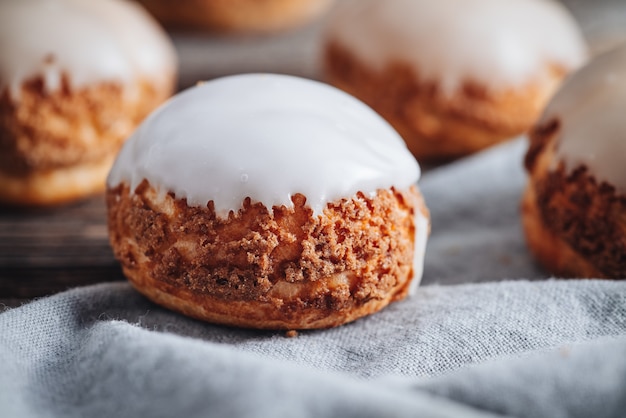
[
  {"x": 453, "y": 76},
  {"x": 268, "y": 201},
  {"x": 237, "y": 15},
  {"x": 76, "y": 77},
  {"x": 574, "y": 207}
]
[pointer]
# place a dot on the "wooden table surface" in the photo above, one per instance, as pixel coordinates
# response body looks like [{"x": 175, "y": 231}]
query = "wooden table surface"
[{"x": 46, "y": 251}]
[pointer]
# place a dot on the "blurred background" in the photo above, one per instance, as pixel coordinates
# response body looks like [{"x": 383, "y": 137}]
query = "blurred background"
[{"x": 296, "y": 51}]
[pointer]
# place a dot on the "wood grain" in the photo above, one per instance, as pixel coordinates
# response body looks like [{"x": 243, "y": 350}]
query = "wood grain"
[{"x": 43, "y": 251}]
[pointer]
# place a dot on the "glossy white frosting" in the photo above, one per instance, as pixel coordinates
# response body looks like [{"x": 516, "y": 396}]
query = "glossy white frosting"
[
  {"x": 89, "y": 40},
  {"x": 266, "y": 137},
  {"x": 422, "y": 227},
  {"x": 498, "y": 43},
  {"x": 591, "y": 108}
]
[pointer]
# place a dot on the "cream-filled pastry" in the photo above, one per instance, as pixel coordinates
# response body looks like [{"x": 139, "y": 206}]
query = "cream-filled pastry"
[
  {"x": 76, "y": 78},
  {"x": 574, "y": 207},
  {"x": 268, "y": 201},
  {"x": 453, "y": 76}
]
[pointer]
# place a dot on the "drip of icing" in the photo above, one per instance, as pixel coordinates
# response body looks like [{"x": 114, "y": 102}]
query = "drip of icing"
[
  {"x": 89, "y": 40},
  {"x": 500, "y": 43},
  {"x": 421, "y": 236},
  {"x": 266, "y": 137},
  {"x": 591, "y": 109}
]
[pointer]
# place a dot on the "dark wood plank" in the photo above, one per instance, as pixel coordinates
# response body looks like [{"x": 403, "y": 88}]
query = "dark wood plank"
[{"x": 44, "y": 251}]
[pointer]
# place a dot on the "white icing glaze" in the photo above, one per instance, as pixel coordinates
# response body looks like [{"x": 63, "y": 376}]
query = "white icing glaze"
[
  {"x": 90, "y": 40},
  {"x": 591, "y": 107},
  {"x": 499, "y": 43},
  {"x": 266, "y": 137}
]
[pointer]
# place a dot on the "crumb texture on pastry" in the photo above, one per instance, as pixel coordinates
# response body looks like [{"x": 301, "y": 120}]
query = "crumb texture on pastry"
[
  {"x": 575, "y": 223},
  {"x": 59, "y": 146},
  {"x": 436, "y": 126},
  {"x": 575, "y": 226},
  {"x": 574, "y": 207},
  {"x": 449, "y": 98},
  {"x": 43, "y": 131},
  {"x": 284, "y": 268}
]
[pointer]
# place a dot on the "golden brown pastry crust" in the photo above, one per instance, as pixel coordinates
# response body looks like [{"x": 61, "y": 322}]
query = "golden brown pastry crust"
[
  {"x": 283, "y": 269},
  {"x": 56, "y": 147},
  {"x": 236, "y": 15},
  {"x": 56, "y": 186},
  {"x": 575, "y": 226},
  {"x": 436, "y": 127}
]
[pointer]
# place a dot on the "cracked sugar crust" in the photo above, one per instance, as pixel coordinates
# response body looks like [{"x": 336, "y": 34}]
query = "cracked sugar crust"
[
  {"x": 280, "y": 269},
  {"x": 575, "y": 224}
]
